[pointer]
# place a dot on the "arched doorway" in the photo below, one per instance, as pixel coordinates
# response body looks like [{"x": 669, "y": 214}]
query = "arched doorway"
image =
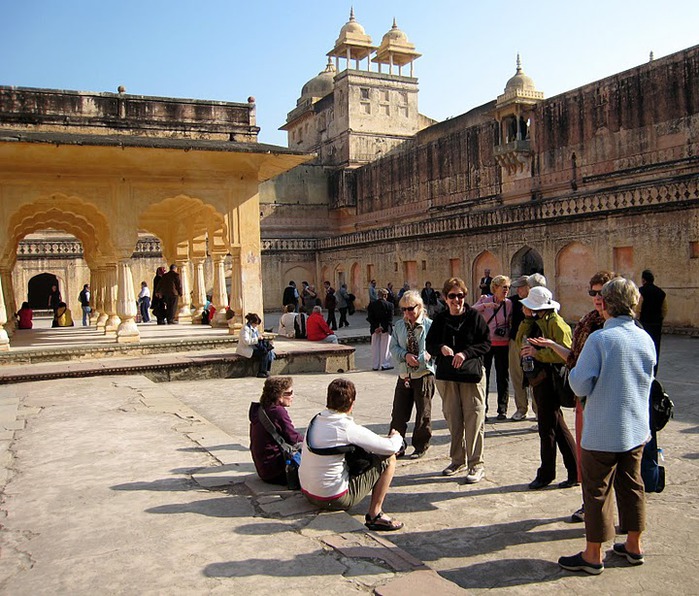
[
  {"x": 526, "y": 261},
  {"x": 39, "y": 289}
]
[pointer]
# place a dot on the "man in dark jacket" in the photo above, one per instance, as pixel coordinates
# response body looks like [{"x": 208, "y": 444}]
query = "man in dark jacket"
[
  {"x": 291, "y": 296},
  {"x": 170, "y": 288},
  {"x": 653, "y": 308}
]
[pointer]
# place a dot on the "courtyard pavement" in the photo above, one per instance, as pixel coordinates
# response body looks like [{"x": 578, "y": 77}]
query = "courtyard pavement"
[{"x": 116, "y": 485}]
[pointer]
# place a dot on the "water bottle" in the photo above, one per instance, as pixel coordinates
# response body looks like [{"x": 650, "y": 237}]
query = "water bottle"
[{"x": 527, "y": 361}]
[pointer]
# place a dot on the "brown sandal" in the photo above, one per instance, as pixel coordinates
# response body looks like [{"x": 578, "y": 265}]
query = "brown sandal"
[{"x": 382, "y": 523}]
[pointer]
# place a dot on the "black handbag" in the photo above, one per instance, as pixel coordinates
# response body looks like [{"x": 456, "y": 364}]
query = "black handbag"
[
  {"x": 358, "y": 460},
  {"x": 561, "y": 386}
]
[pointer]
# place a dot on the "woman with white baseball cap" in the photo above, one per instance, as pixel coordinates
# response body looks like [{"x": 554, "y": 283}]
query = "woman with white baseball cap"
[{"x": 542, "y": 320}]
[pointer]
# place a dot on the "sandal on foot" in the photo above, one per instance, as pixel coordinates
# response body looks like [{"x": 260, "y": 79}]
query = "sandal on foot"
[{"x": 382, "y": 523}]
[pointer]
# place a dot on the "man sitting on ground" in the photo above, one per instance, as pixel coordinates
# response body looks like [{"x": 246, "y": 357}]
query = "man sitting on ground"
[
  {"x": 317, "y": 329},
  {"x": 325, "y": 478}
]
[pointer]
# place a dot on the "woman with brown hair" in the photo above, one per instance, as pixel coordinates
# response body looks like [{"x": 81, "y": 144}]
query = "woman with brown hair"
[
  {"x": 459, "y": 339},
  {"x": 277, "y": 396}
]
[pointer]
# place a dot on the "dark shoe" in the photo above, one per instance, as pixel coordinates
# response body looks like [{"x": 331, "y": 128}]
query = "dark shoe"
[
  {"x": 400, "y": 453},
  {"x": 418, "y": 454},
  {"x": 635, "y": 559},
  {"x": 452, "y": 469},
  {"x": 536, "y": 484},
  {"x": 578, "y": 516},
  {"x": 382, "y": 523},
  {"x": 502, "y": 417},
  {"x": 262, "y": 375},
  {"x": 568, "y": 484},
  {"x": 374, "y": 369},
  {"x": 577, "y": 563},
  {"x": 386, "y": 368}
]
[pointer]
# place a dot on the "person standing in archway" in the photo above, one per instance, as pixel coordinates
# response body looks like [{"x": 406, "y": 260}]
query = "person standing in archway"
[
  {"x": 170, "y": 288},
  {"x": 84, "y": 298},
  {"x": 54, "y": 298}
]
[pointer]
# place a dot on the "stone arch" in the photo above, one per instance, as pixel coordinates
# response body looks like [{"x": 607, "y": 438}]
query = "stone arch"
[
  {"x": 39, "y": 288},
  {"x": 575, "y": 265},
  {"x": 182, "y": 220},
  {"x": 526, "y": 261},
  {"x": 339, "y": 276},
  {"x": 323, "y": 276},
  {"x": 70, "y": 214},
  {"x": 485, "y": 260}
]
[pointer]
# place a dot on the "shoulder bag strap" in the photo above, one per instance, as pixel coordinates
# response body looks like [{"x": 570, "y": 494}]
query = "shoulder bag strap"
[
  {"x": 272, "y": 430},
  {"x": 338, "y": 450},
  {"x": 497, "y": 310}
]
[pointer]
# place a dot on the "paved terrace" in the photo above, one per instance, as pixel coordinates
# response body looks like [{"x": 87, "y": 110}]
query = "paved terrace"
[{"x": 122, "y": 485}]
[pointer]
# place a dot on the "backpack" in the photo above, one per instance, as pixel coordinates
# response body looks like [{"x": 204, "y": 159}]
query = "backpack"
[
  {"x": 300, "y": 326},
  {"x": 661, "y": 406}
]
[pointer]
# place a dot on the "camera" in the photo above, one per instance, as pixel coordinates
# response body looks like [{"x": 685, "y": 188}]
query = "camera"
[{"x": 501, "y": 331}]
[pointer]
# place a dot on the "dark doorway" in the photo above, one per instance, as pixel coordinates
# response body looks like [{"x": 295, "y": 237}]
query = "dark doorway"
[
  {"x": 526, "y": 261},
  {"x": 39, "y": 289}
]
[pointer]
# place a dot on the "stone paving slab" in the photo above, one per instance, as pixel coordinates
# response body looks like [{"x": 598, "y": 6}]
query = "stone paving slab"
[{"x": 102, "y": 479}]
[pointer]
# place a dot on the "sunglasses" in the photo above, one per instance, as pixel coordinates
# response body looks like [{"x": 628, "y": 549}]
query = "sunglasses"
[
  {"x": 408, "y": 308},
  {"x": 288, "y": 393},
  {"x": 459, "y": 296},
  {"x": 594, "y": 293}
]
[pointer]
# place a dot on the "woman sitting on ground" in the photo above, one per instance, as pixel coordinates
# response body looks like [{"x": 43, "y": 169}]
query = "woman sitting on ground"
[
  {"x": 277, "y": 396},
  {"x": 24, "y": 316},
  {"x": 63, "y": 316},
  {"x": 252, "y": 344}
]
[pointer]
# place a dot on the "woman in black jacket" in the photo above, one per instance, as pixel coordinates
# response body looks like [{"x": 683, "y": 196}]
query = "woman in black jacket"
[{"x": 459, "y": 338}]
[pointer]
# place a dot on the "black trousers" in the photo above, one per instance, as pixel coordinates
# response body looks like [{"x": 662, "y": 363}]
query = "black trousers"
[
  {"x": 331, "y": 320},
  {"x": 343, "y": 317},
  {"x": 553, "y": 432},
  {"x": 171, "y": 301},
  {"x": 420, "y": 394},
  {"x": 501, "y": 356}
]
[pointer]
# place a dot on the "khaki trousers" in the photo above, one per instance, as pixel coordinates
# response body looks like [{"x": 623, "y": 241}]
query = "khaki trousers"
[
  {"x": 463, "y": 406},
  {"x": 521, "y": 400}
]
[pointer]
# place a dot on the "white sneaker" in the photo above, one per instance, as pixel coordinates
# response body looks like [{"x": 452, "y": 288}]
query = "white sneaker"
[
  {"x": 517, "y": 416},
  {"x": 475, "y": 475}
]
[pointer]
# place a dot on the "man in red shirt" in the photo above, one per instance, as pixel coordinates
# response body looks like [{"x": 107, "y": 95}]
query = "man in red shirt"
[{"x": 317, "y": 329}]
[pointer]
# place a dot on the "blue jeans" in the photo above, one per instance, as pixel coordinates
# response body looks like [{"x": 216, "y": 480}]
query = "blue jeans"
[
  {"x": 144, "y": 305},
  {"x": 86, "y": 315}
]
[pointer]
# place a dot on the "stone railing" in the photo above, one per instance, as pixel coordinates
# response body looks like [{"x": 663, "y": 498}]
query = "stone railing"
[
  {"x": 49, "y": 249},
  {"x": 284, "y": 244},
  {"x": 572, "y": 207},
  {"x": 73, "y": 249}
]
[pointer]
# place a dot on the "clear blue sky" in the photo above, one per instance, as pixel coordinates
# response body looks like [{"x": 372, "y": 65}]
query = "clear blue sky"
[{"x": 229, "y": 50}]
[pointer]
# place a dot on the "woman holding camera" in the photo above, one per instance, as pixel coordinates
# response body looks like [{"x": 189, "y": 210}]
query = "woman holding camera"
[{"x": 496, "y": 309}]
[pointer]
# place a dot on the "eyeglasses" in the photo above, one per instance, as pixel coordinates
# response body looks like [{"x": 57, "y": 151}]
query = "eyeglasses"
[
  {"x": 594, "y": 293},
  {"x": 459, "y": 296},
  {"x": 288, "y": 393},
  {"x": 408, "y": 308}
]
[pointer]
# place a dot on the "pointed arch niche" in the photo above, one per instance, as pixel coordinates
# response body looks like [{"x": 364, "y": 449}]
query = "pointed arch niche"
[
  {"x": 526, "y": 261},
  {"x": 575, "y": 265}
]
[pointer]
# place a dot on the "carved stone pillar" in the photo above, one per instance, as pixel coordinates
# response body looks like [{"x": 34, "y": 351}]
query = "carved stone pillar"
[
  {"x": 8, "y": 295},
  {"x": 111, "y": 290},
  {"x": 127, "y": 332},
  {"x": 94, "y": 285},
  {"x": 199, "y": 293},
  {"x": 236, "y": 299},
  {"x": 100, "y": 294},
  {"x": 4, "y": 339},
  {"x": 220, "y": 296},
  {"x": 184, "y": 313}
]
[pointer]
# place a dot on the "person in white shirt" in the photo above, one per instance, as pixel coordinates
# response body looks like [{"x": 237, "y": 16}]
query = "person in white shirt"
[
  {"x": 326, "y": 480},
  {"x": 144, "y": 302},
  {"x": 286, "y": 322}
]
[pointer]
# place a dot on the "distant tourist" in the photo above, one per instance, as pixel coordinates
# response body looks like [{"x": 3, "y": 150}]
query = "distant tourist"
[
  {"x": 317, "y": 329},
  {"x": 63, "y": 317},
  {"x": 251, "y": 344},
  {"x": 24, "y": 316},
  {"x": 170, "y": 288},
  {"x": 291, "y": 296},
  {"x": 144, "y": 302},
  {"x": 380, "y": 317},
  {"x": 653, "y": 309},
  {"x": 286, "y": 322},
  {"x": 84, "y": 299},
  {"x": 485, "y": 282},
  {"x": 54, "y": 298}
]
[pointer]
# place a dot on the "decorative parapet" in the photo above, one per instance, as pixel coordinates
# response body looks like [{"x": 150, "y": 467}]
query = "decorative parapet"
[
  {"x": 73, "y": 249},
  {"x": 539, "y": 212},
  {"x": 293, "y": 244}
]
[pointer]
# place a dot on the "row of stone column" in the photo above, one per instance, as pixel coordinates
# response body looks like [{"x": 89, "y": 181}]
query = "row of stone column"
[{"x": 114, "y": 305}]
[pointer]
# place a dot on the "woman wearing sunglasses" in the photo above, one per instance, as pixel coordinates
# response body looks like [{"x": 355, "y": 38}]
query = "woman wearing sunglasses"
[
  {"x": 459, "y": 339},
  {"x": 415, "y": 373}
]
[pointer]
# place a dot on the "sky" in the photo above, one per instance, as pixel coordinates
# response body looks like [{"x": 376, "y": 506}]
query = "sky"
[{"x": 228, "y": 50}]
